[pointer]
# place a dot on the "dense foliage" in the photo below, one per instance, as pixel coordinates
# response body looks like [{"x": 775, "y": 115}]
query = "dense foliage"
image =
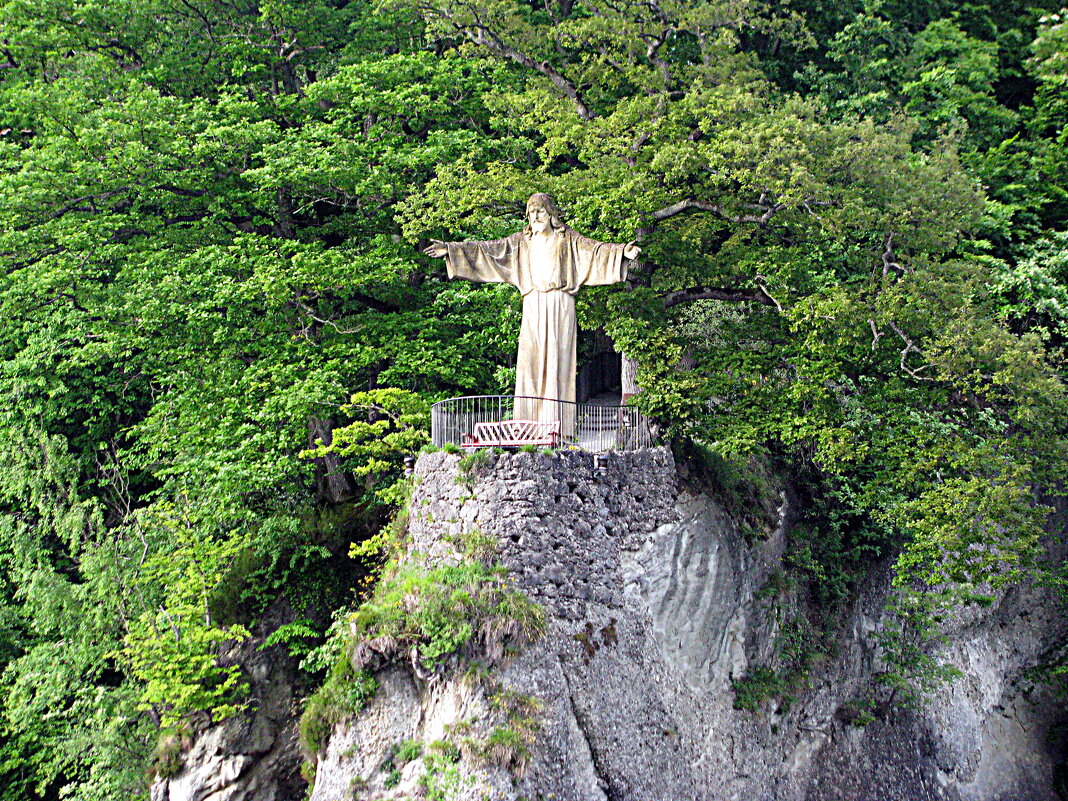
[{"x": 853, "y": 222}]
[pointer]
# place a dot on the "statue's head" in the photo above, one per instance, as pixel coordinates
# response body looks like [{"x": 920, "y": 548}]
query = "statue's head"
[{"x": 543, "y": 201}]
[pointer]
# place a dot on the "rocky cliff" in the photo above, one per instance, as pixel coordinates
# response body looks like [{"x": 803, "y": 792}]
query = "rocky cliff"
[{"x": 655, "y": 605}]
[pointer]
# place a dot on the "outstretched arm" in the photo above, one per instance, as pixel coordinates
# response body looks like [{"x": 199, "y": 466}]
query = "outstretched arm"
[
  {"x": 492, "y": 261},
  {"x": 600, "y": 263},
  {"x": 437, "y": 249}
]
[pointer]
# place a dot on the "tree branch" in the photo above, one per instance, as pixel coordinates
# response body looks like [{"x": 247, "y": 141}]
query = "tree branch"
[
  {"x": 115, "y": 44},
  {"x": 545, "y": 68},
  {"x": 308, "y": 311},
  {"x": 652, "y": 52},
  {"x": 177, "y": 190},
  {"x": 910, "y": 347},
  {"x": 888, "y": 257},
  {"x": 481, "y": 35},
  {"x": 74, "y": 204},
  {"x": 691, "y": 204},
  {"x": 761, "y": 283},
  {"x": 22, "y": 265},
  {"x": 719, "y": 293},
  {"x": 371, "y": 303},
  {"x": 876, "y": 335},
  {"x": 685, "y": 205}
]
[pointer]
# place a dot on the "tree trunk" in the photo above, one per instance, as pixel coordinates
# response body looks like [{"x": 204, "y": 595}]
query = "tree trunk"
[
  {"x": 630, "y": 377},
  {"x": 332, "y": 484}
]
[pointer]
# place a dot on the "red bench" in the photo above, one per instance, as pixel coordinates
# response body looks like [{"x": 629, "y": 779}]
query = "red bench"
[{"x": 513, "y": 434}]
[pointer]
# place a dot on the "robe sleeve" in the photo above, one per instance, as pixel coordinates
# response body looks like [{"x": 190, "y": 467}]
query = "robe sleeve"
[
  {"x": 597, "y": 263},
  {"x": 495, "y": 261}
]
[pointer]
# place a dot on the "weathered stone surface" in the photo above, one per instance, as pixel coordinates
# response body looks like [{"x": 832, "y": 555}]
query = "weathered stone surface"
[
  {"x": 555, "y": 523},
  {"x": 654, "y": 608},
  {"x": 653, "y": 597}
]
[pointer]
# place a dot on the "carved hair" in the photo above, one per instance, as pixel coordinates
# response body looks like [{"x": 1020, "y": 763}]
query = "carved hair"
[{"x": 546, "y": 202}]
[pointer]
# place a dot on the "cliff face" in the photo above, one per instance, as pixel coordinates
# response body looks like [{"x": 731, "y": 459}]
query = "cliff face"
[
  {"x": 654, "y": 607},
  {"x": 251, "y": 757}
]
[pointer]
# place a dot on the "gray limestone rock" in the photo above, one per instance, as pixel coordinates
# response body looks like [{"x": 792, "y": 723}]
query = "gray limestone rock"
[
  {"x": 654, "y": 608},
  {"x": 253, "y": 757}
]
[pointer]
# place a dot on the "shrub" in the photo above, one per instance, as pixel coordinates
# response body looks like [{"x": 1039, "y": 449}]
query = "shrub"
[
  {"x": 509, "y": 745},
  {"x": 508, "y": 748},
  {"x": 757, "y": 686},
  {"x": 438, "y": 611},
  {"x": 399, "y": 755},
  {"x": 469, "y": 466},
  {"x": 392, "y": 778},
  {"x": 406, "y": 751},
  {"x": 858, "y": 711},
  {"x": 344, "y": 693},
  {"x": 443, "y": 779},
  {"x": 445, "y": 750},
  {"x": 166, "y": 760},
  {"x": 474, "y": 543}
]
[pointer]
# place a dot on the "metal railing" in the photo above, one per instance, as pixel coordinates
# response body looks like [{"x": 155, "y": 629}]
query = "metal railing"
[{"x": 586, "y": 426}]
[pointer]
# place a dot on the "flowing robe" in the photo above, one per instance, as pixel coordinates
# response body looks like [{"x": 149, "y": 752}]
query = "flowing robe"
[{"x": 548, "y": 271}]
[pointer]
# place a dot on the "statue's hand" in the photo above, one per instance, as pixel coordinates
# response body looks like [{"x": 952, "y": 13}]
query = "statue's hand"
[
  {"x": 438, "y": 249},
  {"x": 632, "y": 251}
]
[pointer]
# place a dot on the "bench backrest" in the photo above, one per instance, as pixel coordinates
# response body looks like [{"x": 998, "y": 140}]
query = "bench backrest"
[{"x": 522, "y": 431}]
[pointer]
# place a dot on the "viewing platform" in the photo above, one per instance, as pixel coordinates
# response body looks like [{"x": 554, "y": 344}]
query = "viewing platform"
[{"x": 509, "y": 421}]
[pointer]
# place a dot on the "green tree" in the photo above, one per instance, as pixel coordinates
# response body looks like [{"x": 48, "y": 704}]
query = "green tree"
[
  {"x": 872, "y": 348},
  {"x": 199, "y": 267},
  {"x": 210, "y": 245}
]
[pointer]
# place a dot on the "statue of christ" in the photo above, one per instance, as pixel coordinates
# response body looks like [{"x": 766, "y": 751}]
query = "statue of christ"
[{"x": 548, "y": 262}]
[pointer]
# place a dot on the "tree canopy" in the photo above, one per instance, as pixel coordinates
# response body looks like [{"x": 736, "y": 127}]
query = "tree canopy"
[{"x": 853, "y": 228}]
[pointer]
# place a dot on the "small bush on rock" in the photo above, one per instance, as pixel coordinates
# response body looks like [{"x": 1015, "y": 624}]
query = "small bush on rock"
[
  {"x": 507, "y": 745},
  {"x": 470, "y": 465},
  {"x": 508, "y": 748},
  {"x": 167, "y": 756},
  {"x": 757, "y": 686},
  {"x": 406, "y": 751},
  {"x": 432, "y": 613},
  {"x": 344, "y": 693},
  {"x": 443, "y": 779}
]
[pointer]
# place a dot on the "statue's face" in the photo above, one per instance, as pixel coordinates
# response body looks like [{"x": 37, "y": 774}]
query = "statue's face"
[{"x": 538, "y": 217}]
